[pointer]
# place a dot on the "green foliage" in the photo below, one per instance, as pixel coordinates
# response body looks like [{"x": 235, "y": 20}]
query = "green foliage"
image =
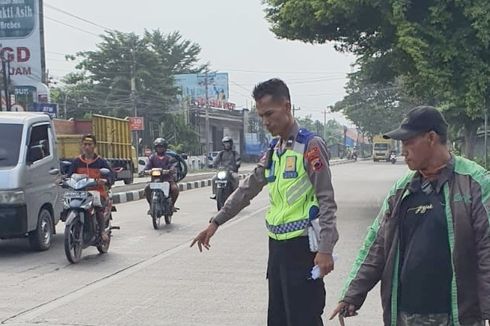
[
  {"x": 438, "y": 48},
  {"x": 332, "y": 133},
  {"x": 374, "y": 108},
  {"x": 127, "y": 71}
]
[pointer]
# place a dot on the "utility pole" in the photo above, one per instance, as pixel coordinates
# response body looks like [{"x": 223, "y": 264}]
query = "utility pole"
[
  {"x": 133, "y": 97},
  {"x": 295, "y": 109},
  {"x": 325, "y": 124},
  {"x": 208, "y": 150},
  {"x": 6, "y": 78},
  {"x": 64, "y": 106}
]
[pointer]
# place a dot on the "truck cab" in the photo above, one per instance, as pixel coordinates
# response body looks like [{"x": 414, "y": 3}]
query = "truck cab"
[
  {"x": 382, "y": 148},
  {"x": 30, "y": 198}
]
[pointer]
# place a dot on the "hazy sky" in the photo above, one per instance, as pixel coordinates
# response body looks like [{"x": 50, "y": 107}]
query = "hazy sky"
[{"x": 233, "y": 34}]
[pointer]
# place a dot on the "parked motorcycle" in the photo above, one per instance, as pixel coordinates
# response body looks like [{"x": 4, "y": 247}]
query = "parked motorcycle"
[
  {"x": 161, "y": 202},
  {"x": 81, "y": 227},
  {"x": 224, "y": 187}
]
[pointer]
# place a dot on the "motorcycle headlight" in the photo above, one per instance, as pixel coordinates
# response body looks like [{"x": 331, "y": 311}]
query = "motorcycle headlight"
[
  {"x": 156, "y": 173},
  {"x": 12, "y": 197},
  {"x": 222, "y": 175}
]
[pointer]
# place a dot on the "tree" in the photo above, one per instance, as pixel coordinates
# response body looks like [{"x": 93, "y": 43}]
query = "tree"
[
  {"x": 439, "y": 48},
  {"x": 374, "y": 108},
  {"x": 332, "y": 132},
  {"x": 128, "y": 74}
]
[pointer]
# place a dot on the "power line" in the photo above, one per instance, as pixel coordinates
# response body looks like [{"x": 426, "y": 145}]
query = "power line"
[
  {"x": 74, "y": 27},
  {"x": 57, "y": 53},
  {"x": 282, "y": 72},
  {"x": 105, "y": 28}
]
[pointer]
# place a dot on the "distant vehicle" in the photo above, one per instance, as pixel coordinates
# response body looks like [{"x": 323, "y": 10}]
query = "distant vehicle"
[
  {"x": 142, "y": 161},
  {"x": 161, "y": 202},
  {"x": 393, "y": 158},
  {"x": 382, "y": 148},
  {"x": 211, "y": 157},
  {"x": 113, "y": 142},
  {"x": 181, "y": 167},
  {"x": 224, "y": 187}
]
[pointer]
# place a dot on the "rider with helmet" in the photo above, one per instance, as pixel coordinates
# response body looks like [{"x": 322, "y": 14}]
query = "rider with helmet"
[
  {"x": 228, "y": 159},
  {"x": 160, "y": 160}
]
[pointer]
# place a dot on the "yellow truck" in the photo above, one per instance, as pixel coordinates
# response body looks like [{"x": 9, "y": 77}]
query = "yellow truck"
[
  {"x": 113, "y": 142},
  {"x": 382, "y": 148}
]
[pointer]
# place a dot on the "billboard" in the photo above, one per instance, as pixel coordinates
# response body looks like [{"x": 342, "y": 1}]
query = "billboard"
[
  {"x": 193, "y": 87},
  {"x": 20, "y": 43},
  {"x": 255, "y": 144},
  {"x": 136, "y": 123},
  {"x": 50, "y": 109}
]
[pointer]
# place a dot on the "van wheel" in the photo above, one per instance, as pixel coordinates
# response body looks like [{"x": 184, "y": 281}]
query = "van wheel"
[{"x": 40, "y": 239}]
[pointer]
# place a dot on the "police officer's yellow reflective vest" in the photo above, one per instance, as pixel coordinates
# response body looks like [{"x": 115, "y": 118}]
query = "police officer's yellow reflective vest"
[{"x": 292, "y": 197}]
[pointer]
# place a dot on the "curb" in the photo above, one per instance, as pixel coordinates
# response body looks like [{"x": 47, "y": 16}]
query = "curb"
[{"x": 124, "y": 197}]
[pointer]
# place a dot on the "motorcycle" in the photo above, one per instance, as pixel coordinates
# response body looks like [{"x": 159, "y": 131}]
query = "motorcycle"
[
  {"x": 393, "y": 158},
  {"x": 81, "y": 227},
  {"x": 161, "y": 202},
  {"x": 224, "y": 187}
]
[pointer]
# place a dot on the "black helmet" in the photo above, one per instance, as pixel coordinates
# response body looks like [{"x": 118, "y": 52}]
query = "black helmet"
[
  {"x": 227, "y": 139},
  {"x": 160, "y": 142}
]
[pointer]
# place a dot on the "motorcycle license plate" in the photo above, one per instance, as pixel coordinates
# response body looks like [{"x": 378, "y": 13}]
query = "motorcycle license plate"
[
  {"x": 76, "y": 194},
  {"x": 221, "y": 184},
  {"x": 163, "y": 186}
]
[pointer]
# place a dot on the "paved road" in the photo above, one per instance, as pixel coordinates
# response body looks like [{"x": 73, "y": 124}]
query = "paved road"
[
  {"x": 152, "y": 278},
  {"x": 193, "y": 176}
]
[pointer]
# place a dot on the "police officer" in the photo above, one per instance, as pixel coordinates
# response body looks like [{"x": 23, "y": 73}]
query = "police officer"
[
  {"x": 229, "y": 159},
  {"x": 301, "y": 195}
]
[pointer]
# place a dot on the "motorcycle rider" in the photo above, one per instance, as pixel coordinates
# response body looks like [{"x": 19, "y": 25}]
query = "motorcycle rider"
[
  {"x": 90, "y": 163},
  {"x": 160, "y": 160},
  {"x": 228, "y": 159}
]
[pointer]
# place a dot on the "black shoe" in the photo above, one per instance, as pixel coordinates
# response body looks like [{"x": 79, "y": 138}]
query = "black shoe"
[
  {"x": 212, "y": 197},
  {"x": 149, "y": 212}
]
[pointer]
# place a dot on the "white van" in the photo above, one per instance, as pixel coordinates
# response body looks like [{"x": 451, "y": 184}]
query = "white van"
[{"x": 30, "y": 198}]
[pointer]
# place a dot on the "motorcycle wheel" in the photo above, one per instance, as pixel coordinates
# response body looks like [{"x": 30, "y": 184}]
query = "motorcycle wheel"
[
  {"x": 221, "y": 196},
  {"x": 103, "y": 248},
  {"x": 168, "y": 219},
  {"x": 154, "y": 217},
  {"x": 74, "y": 242}
]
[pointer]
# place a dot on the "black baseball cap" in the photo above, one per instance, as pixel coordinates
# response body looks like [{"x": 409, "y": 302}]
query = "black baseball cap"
[{"x": 419, "y": 120}]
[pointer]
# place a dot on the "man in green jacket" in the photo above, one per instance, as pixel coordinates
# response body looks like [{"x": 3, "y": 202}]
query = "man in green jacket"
[{"x": 430, "y": 244}]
